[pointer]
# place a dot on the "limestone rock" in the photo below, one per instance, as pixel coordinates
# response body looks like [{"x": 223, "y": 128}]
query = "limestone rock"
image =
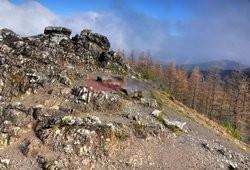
[
  {"x": 100, "y": 40},
  {"x": 57, "y": 30},
  {"x": 176, "y": 123},
  {"x": 8, "y": 36},
  {"x": 156, "y": 113},
  {"x": 4, "y": 163}
]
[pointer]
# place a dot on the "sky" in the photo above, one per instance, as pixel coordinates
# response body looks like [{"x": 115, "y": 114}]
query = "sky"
[{"x": 186, "y": 31}]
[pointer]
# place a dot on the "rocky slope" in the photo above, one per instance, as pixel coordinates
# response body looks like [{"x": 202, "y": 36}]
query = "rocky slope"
[{"x": 50, "y": 119}]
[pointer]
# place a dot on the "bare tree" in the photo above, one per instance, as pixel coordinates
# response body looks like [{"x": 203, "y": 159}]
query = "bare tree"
[
  {"x": 171, "y": 76},
  {"x": 239, "y": 84},
  {"x": 195, "y": 85},
  {"x": 211, "y": 87},
  {"x": 182, "y": 84},
  {"x": 131, "y": 59}
]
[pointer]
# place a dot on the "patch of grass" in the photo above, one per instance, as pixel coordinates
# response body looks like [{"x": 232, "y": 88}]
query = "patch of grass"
[
  {"x": 164, "y": 99},
  {"x": 119, "y": 105},
  {"x": 18, "y": 78},
  {"x": 140, "y": 94},
  {"x": 138, "y": 126},
  {"x": 129, "y": 98},
  {"x": 111, "y": 134},
  {"x": 153, "y": 95},
  {"x": 120, "y": 78},
  {"x": 123, "y": 135},
  {"x": 234, "y": 132},
  {"x": 136, "y": 95},
  {"x": 159, "y": 102},
  {"x": 113, "y": 67},
  {"x": 107, "y": 133},
  {"x": 172, "y": 98},
  {"x": 113, "y": 106},
  {"x": 161, "y": 118},
  {"x": 174, "y": 129},
  {"x": 161, "y": 98},
  {"x": 55, "y": 127},
  {"x": 107, "y": 105},
  {"x": 98, "y": 64},
  {"x": 149, "y": 76}
]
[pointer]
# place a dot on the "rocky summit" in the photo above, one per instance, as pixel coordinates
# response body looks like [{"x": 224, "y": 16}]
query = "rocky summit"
[
  {"x": 52, "y": 118},
  {"x": 57, "y": 30}
]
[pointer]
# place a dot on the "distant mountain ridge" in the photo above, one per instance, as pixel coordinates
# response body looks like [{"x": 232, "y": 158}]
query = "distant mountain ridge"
[{"x": 223, "y": 65}]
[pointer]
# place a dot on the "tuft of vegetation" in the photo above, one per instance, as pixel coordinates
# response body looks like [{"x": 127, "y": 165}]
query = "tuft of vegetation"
[
  {"x": 18, "y": 79},
  {"x": 161, "y": 118},
  {"x": 149, "y": 76},
  {"x": 136, "y": 95},
  {"x": 159, "y": 104},
  {"x": 123, "y": 135},
  {"x": 107, "y": 105},
  {"x": 98, "y": 64},
  {"x": 119, "y": 105},
  {"x": 111, "y": 134},
  {"x": 234, "y": 132},
  {"x": 138, "y": 126},
  {"x": 174, "y": 129}
]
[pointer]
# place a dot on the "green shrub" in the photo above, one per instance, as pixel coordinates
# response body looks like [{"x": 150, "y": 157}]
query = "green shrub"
[
  {"x": 149, "y": 76},
  {"x": 161, "y": 118},
  {"x": 234, "y": 132},
  {"x": 174, "y": 129}
]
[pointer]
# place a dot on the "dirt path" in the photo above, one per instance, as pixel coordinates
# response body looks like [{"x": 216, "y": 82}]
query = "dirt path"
[
  {"x": 167, "y": 151},
  {"x": 200, "y": 132},
  {"x": 200, "y": 148}
]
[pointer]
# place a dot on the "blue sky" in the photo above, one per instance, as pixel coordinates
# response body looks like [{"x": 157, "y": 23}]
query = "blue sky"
[
  {"x": 147, "y": 7},
  {"x": 186, "y": 31}
]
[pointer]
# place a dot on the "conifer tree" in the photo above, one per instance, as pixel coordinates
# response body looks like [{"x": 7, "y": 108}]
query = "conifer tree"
[
  {"x": 195, "y": 85},
  {"x": 182, "y": 84},
  {"x": 171, "y": 77},
  {"x": 211, "y": 88}
]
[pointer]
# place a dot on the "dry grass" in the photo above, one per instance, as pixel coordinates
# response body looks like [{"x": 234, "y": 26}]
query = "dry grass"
[
  {"x": 18, "y": 79},
  {"x": 114, "y": 106},
  {"x": 123, "y": 134}
]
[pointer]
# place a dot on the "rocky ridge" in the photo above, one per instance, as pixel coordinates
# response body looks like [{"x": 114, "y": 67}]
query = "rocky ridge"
[{"x": 50, "y": 120}]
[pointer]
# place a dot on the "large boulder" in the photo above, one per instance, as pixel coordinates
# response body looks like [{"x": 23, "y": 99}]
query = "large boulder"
[
  {"x": 57, "y": 34},
  {"x": 90, "y": 46},
  {"x": 99, "y": 40},
  {"x": 57, "y": 30},
  {"x": 7, "y": 36},
  {"x": 17, "y": 114},
  {"x": 4, "y": 163}
]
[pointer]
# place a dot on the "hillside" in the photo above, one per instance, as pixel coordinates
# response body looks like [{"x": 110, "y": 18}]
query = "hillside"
[
  {"x": 52, "y": 118},
  {"x": 223, "y": 65},
  {"x": 224, "y": 73}
]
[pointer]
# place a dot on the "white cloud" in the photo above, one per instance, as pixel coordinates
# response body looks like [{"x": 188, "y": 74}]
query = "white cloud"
[
  {"x": 104, "y": 23},
  {"x": 31, "y": 18}
]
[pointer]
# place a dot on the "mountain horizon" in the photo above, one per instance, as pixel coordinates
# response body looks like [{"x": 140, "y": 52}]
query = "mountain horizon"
[{"x": 223, "y": 64}]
